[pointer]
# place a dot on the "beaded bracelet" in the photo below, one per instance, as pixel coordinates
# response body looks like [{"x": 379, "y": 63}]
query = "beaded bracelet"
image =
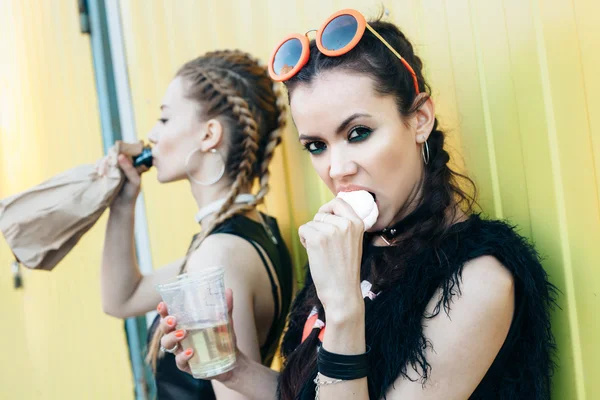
[{"x": 320, "y": 383}]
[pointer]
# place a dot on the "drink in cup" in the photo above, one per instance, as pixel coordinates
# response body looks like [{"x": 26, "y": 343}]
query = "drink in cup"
[{"x": 197, "y": 301}]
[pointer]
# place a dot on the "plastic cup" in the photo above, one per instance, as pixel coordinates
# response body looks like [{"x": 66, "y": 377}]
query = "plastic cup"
[{"x": 197, "y": 301}]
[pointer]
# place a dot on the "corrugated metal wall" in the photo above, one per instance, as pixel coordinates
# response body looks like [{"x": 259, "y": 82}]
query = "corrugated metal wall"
[
  {"x": 56, "y": 341},
  {"x": 516, "y": 87}
]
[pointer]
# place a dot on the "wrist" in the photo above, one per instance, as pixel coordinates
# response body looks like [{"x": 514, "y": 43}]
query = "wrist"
[
  {"x": 123, "y": 208},
  {"x": 349, "y": 312},
  {"x": 345, "y": 330},
  {"x": 234, "y": 377}
]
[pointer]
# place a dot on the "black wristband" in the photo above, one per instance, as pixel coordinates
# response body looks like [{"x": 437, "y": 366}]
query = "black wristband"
[{"x": 339, "y": 366}]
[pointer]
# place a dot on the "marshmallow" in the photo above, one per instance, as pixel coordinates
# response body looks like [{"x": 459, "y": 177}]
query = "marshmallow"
[{"x": 363, "y": 204}]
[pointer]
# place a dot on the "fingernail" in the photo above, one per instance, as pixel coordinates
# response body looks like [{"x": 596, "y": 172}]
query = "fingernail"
[
  {"x": 160, "y": 307},
  {"x": 188, "y": 352},
  {"x": 170, "y": 321},
  {"x": 179, "y": 334}
]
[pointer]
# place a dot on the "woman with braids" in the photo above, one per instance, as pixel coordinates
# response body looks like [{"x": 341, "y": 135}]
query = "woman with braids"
[
  {"x": 432, "y": 301},
  {"x": 221, "y": 120}
]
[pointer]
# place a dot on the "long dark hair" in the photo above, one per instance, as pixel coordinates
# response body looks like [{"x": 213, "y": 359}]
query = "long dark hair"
[{"x": 428, "y": 217}]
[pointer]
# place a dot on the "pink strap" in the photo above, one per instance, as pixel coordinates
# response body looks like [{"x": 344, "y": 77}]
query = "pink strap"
[
  {"x": 365, "y": 288},
  {"x": 313, "y": 320}
]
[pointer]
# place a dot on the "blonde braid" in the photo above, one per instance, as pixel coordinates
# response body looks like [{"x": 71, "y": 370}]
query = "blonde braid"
[
  {"x": 274, "y": 141},
  {"x": 239, "y": 58},
  {"x": 276, "y": 135},
  {"x": 154, "y": 353},
  {"x": 235, "y": 56},
  {"x": 240, "y": 109}
]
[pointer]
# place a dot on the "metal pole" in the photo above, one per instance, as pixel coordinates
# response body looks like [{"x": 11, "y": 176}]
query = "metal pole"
[{"x": 111, "y": 124}]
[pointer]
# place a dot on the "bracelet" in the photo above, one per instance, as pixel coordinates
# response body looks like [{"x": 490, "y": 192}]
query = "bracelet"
[
  {"x": 318, "y": 382},
  {"x": 344, "y": 367}
]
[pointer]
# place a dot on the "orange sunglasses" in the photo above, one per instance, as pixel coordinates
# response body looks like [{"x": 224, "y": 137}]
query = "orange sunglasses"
[{"x": 338, "y": 35}]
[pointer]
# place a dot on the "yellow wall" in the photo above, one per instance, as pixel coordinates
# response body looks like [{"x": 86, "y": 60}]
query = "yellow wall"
[
  {"x": 514, "y": 83},
  {"x": 56, "y": 342}
]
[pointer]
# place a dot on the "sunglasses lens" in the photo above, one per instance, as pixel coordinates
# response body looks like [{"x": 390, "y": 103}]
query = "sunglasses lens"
[
  {"x": 287, "y": 56},
  {"x": 339, "y": 32}
]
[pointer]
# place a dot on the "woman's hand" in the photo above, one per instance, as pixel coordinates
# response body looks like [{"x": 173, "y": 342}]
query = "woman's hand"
[
  {"x": 333, "y": 241},
  {"x": 131, "y": 189},
  {"x": 173, "y": 337}
]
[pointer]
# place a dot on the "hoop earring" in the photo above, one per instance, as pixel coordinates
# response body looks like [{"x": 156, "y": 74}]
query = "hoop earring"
[
  {"x": 207, "y": 183},
  {"x": 425, "y": 152}
]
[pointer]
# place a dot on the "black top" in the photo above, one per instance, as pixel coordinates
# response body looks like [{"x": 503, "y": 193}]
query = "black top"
[
  {"x": 522, "y": 368},
  {"x": 171, "y": 383}
]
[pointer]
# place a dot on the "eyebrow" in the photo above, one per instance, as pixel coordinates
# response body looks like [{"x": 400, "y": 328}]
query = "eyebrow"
[
  {"x": 162, "y": 107},
  {"x": 339, "y": 129}
]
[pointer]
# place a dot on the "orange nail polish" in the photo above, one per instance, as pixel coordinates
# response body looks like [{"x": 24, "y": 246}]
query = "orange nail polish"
[
  {"x": 159, "y": 308},
  {"x": 170, "y": 321},
  {"x": 179, "y": 334},
  {"x": 188, "y": 352}
]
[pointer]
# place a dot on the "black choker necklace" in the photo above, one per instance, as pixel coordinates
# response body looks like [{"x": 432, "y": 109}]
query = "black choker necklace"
[{"x": 390, "y": 233}]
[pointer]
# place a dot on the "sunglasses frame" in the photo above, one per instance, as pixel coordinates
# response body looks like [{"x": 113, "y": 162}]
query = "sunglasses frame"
[{"x": 360, "y": 30}]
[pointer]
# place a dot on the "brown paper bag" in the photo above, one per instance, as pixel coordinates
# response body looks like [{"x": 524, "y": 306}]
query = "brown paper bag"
[{"x": 42, "y": 224}]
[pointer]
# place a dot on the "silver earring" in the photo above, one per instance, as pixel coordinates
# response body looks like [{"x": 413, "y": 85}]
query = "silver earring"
[
  {"x": 207, "y": 183},
  {"x": 425, "y": 152}
]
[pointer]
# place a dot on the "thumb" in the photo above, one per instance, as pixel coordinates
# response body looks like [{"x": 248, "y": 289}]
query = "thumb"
[{"x": 130, "y": 172}]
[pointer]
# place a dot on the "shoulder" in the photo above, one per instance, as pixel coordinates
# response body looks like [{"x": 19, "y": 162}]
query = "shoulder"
[
  {"x": 226, "y": 241},
  {"x": 486, "y": 271},
  {"x": 234, "y": 253},
  {"x": 486, "y": 281},
  {"x": 484, "y": 284}
]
